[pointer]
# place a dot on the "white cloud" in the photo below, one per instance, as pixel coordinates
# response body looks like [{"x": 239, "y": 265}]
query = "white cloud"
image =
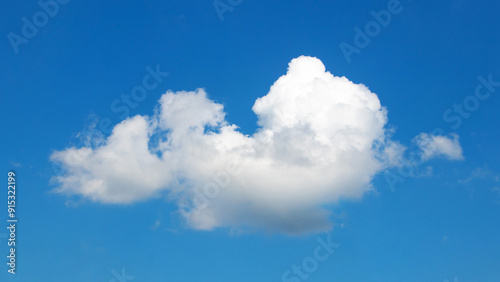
[
  {"x": 123, "y": 170},
  {"x": 156, "y": 225},
  {"x": 321, "y": 138},
  {"x": 439, "y": 146},
  {"x": 481, "y": 173}
]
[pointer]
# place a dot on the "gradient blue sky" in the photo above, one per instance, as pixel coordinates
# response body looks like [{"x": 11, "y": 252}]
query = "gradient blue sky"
[{"x": 426, "y": 60}]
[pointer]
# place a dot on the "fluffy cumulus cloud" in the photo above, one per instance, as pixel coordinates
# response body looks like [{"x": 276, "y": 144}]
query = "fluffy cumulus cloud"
[{"x": 321, "y": 138}]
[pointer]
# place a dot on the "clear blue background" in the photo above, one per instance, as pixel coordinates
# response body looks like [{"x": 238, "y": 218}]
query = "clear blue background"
[{"x": 424, "y": 61}]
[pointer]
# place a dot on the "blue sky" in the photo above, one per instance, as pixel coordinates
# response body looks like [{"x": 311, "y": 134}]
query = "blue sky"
[{"x": 441, "y": 222}]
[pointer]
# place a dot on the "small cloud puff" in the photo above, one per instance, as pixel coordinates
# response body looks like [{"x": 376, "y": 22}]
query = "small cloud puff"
[{"x": 433, "y": 146}]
